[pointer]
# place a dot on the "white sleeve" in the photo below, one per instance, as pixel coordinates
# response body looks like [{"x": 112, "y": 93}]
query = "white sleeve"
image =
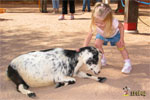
[{"x": 115, "y": 23}]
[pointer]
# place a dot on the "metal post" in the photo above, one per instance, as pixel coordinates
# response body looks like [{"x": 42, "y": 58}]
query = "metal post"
[{"x": 131, "y": 16}]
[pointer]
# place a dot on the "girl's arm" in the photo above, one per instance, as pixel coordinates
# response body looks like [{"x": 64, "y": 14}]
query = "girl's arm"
[
  {"x": 121, "y": 29},
  {"x": 88, "y": 39}
]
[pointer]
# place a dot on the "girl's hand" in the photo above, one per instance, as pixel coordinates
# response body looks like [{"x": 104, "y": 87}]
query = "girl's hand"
[
  {"x": 121, "y": 42},
  {"x": 77, "y": 50}
]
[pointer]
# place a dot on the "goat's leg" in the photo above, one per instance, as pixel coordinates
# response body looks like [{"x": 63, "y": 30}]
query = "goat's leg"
[
  {"x": 63, "y": 81},
  {"x": 89, "y": 76},
  {"x": 23, "y": 90},
  {"x": 20, "y": 83}
]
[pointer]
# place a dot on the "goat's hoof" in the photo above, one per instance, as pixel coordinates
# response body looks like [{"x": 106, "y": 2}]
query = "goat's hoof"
[
  {"x": 71, "y": 82},
  {"x": 59, "y": 84},
  {"x": 102, "y": 79},
  {"x": 32, "y": 95}
]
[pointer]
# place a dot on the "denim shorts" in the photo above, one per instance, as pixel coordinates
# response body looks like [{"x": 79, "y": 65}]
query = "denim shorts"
[{"x": 112, "y": 40}]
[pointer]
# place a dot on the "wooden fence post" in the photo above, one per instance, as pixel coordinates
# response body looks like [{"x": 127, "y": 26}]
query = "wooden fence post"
[{"x": 131, "y": 16}]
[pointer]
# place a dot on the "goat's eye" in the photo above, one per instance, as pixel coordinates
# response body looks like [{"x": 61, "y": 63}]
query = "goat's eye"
[{"x": 89, "y": 62}]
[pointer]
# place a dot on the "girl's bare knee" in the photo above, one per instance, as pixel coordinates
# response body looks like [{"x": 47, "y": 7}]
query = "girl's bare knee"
[
  {"x": 120, "y": 47},
  {"x": 98, "y": 45}
]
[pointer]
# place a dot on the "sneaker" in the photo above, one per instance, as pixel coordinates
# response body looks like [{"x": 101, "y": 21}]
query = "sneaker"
[
  {"x": 54, "y": 12},
  {"x": 61, "y": 18},
  {"x": 71, "y": 17},
  {"x": 57, "y": 11},
  {"x": 103, "y": 62},
  {"x": 89, "y": 10},
  {"x": 126, "y": 68}
]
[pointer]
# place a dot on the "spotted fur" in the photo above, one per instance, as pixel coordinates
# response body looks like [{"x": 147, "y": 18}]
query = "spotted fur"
[{"x": 52, "y": 66}]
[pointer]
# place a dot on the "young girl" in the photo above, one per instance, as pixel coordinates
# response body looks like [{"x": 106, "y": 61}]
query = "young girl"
[{"x": 108, "y": 29}]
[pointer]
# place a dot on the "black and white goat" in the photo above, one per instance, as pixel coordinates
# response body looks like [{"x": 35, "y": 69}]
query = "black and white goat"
[{"x": 53, "y": 66}]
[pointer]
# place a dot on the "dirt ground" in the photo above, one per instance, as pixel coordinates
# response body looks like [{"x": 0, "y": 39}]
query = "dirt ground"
[{"x": 23, "y": 29}]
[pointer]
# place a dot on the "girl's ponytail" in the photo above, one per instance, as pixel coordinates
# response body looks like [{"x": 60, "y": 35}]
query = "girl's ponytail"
[{"x": 92, "y": 25}]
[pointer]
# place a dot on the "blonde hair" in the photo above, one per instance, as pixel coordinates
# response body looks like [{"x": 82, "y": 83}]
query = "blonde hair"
[{"x": 104, "y": 12}]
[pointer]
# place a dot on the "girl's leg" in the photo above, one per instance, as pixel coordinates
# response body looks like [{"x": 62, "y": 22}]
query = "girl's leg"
[
  {"x": 57, "y": 6},
  {"x": 122, "y": 50},
  {"x": 84, "y": 5},
  {"x": 72, "y": 8},
  {"x": 127, "y": 66},
  {"x": 64, "y": 9},
  {"x": 57, "y": 3},
  {"x": 72, "y": 16},
  {"x": 54, "y": 6},
  {"x": 98, "y": 45},
  {"x": 88, "y": 3},
  {"x": 64, "y": 6}
]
